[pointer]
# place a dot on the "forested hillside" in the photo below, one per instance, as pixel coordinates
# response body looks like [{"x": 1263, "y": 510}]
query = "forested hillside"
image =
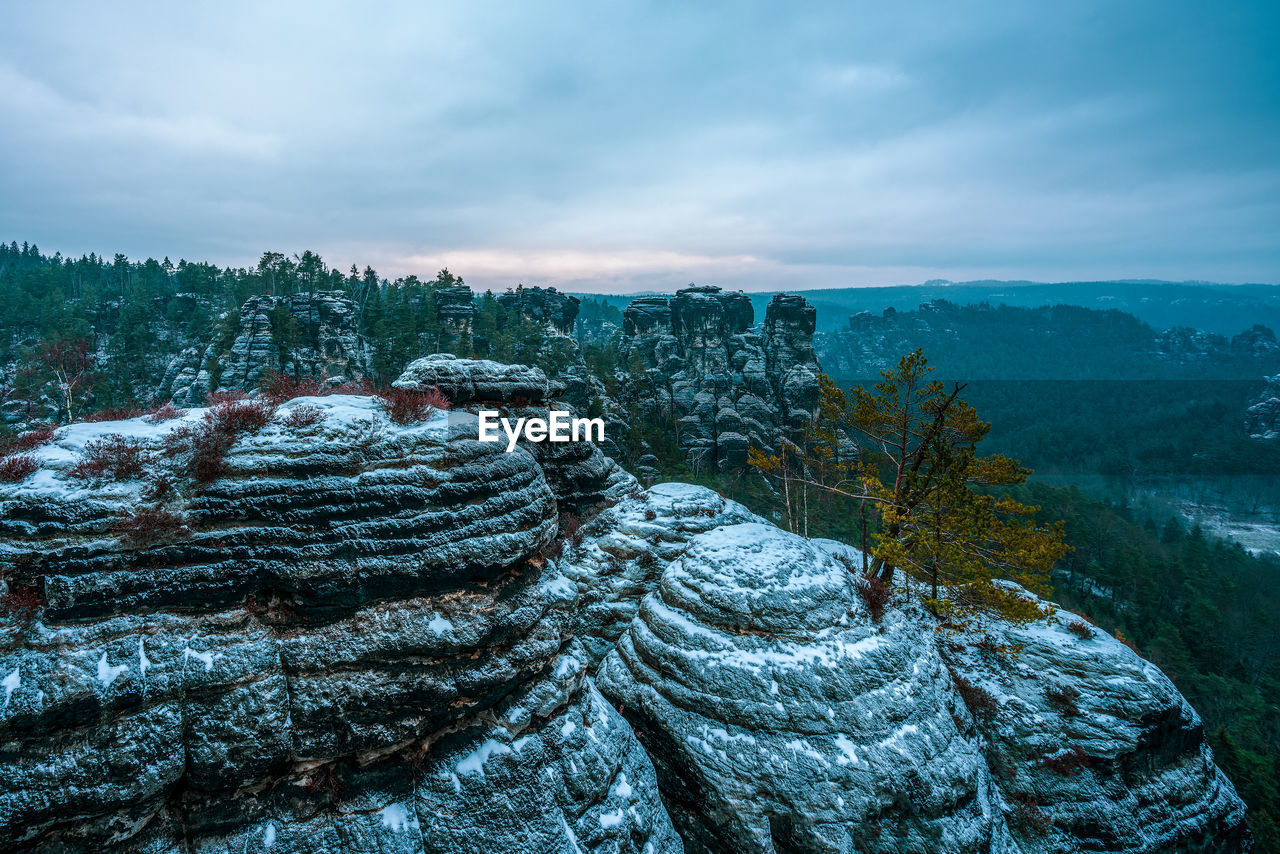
[{"x": 118, "y": 323}]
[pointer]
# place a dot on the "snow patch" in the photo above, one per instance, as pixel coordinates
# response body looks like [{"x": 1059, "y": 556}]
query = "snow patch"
[
  {"x": 11, "y": 683},
  {"x": 611, "y": 819},
  {"x": 396, "y": 817},
  {"x": 847, "y": 748},
  {"x": 439, "y": 624},
  {"x": 106, "y": 673},
  {"x": 623, "y": 788},
  {"x": 206, "y": 658},
  {"x": 573, "y": 839},
  {"x": 473, "y": 763}
]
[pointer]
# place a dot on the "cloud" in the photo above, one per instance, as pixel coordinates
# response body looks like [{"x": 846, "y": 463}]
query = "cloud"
[
  {"x": 610, "y": 147},
  {"x": 31, "y": 103}
]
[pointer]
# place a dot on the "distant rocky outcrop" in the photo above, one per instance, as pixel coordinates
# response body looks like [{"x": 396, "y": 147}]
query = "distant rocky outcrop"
[
  {"x": 456, "y": 311},
  {"x": 1262, "y": 419},
  {"x": 554, "y": 314},
  {"x": 544, "y": 306},
  {"x": 307, "y": 335},
  {"x": 696, "y": 360}
]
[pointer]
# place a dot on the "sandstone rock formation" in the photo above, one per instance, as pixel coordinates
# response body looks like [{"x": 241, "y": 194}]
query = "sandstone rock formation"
[
  {"x": 543, "y": 306},
  {"x": 782, "y": 716},
  {"x": 1091, "y": 747},
  {"x": 456, "y": 311},
  {"x": 354, "y": 643},
  {"x": 696, "y": 360},
  {"x": 366, "y": 637},
  {"x": 302, "y": 335},
  {"x": 1262, "y": 419},
  {"x": 554, "y": 314}
]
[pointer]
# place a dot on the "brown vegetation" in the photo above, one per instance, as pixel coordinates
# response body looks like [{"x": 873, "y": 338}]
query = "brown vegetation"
[
  {"x": 112, "y": 457},
  {"x": 150, "y": 526},
  {"x": 408, "y": 406},
  {"x": 979, "y": 701},
  {"x": 17, "y": 467}
]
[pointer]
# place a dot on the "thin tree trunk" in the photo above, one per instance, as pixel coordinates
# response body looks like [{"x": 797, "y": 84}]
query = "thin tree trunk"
[{"x": 862, "y": 507}]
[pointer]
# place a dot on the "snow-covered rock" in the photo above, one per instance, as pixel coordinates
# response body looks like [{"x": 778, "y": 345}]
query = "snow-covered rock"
[
  {"x": 621, "y": 554},
  {"x": 369, "y": 637},
  {"x": 356, "y": 638},
  {"x": 782, "y": 717},
  {"x": 1090, "y": 745}
]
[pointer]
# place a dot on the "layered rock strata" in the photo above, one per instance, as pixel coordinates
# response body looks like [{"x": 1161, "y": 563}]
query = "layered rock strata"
[
  {"x": 1091, "y": 747},
  {"x": 579, "y": 472},
  {"x": 308, "y": 335},
  {"x": 364, "y": 636},
  {"x": 354, "y": 642},
  {"x": 696, "y": 360},
  {"x": 782, "y": 716}
]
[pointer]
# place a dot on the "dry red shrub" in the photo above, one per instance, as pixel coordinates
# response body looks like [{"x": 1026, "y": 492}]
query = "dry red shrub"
[
  {"x": 26, "y": 441},
  {"x": 214, "y": 398},
  {"x": 149, "y": 526},
  {"x": 875, "y": 595},
  {"x": 234, "y": 417},
  {"x": 167, "y": 412},
  {"x": 303, "y": 415},
  {"x": 281, "y": 387},
  {"x": 21, "y": 606},
  {"x": 980, "y": 702},
  {"x": 120, "y": 413},
  {"x": 1026, "y": 815},
  {"x": 1064, "y": 697},
  {"x": 112, "y": 457},
  {"x": 17, "y": 467},
  {"x": 160, "y": 488},
  {"x": 1067, "y": 762},
  {"x": 1081, "y": 629},
  {"x": 408, "y": 406},
  {"x": 208, "y": 453}
]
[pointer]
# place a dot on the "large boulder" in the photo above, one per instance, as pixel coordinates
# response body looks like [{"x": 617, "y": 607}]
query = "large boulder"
[
  {"x": 784, "y": 716},
  {"x": 353, "y": 639}
]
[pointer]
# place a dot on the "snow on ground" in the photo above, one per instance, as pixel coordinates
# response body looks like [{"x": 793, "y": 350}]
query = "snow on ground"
[{"x": 345, "y": 416}]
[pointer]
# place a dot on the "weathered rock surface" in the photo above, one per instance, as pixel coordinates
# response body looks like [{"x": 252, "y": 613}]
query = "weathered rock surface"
[
  {"x": 456, "y": 311},
  {"x": 357, "y": 644},
  {"x": 370, "y": 637},
  {"x": 696, "y": 360},
  {"x": 580, "y": 473},
  {"x": 544, "y": 306},
  {"x": 1091, "y": 747},
  {"x": 1262, "y": 418},
  {"x": 782, "y": 717},
  {"x": 621, "y": 554},
  {"x": 308, "y": 335},
  {"x": 555, "y": 314}
]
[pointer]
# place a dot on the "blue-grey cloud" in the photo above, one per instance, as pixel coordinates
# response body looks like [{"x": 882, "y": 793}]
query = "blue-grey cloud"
[{"x": 614, "y": 146}]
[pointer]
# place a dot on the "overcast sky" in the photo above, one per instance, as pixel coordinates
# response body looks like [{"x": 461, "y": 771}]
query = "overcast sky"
[{"x": 602, "y": 146}]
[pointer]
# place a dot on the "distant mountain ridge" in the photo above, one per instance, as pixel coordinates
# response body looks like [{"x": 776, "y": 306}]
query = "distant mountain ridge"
[{"x": 1220, "y": 308}]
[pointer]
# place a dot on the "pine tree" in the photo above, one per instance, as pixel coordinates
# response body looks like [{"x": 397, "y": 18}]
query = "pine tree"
[{"x": 907, "y": 449}]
